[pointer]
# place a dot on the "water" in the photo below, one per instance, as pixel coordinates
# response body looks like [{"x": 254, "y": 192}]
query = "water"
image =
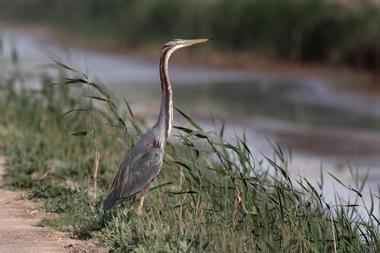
[
  {"x": 110, "y": 68},
  {"x": 323, "y": 124}
]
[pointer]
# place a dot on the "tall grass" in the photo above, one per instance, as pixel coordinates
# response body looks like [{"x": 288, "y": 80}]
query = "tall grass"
[
  {"x": 211, "y": 195},
  {"x": 297, "y": 30}
]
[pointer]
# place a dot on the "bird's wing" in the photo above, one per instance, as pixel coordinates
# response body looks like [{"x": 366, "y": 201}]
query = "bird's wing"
[
  {"x": 140, "y": 166},
  {"x": 142, "y": 172}
]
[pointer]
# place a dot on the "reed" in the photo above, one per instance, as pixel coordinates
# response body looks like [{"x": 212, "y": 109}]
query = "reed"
[{"x": 212, "y": 195}]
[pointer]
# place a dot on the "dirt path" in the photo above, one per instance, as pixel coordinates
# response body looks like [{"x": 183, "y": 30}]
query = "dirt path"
[{"x": 19, "y": 232}]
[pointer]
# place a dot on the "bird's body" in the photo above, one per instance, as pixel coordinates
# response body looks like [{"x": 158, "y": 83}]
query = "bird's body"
[
  {"x": 139, "y": 167},
  {"x": 143, "y": 162}
]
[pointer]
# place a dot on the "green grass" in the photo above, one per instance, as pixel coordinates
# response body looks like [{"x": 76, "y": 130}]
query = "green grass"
[{"x": 210, "y": 196}]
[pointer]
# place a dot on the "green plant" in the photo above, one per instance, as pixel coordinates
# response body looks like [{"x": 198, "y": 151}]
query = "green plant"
[{"x": 212, "y": 195}]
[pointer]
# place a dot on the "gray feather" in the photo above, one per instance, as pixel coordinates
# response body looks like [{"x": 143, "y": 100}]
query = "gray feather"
[{"x": 139, "y": 167}]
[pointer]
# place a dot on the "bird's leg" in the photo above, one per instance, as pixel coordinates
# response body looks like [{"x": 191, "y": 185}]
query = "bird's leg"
[{"x": 145, "y": 189}]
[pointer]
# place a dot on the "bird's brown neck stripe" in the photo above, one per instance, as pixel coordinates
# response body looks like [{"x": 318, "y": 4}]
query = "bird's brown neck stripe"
[{"x": 166, "y": 113}]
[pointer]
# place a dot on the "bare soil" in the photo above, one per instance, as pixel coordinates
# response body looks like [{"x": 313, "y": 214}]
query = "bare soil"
[{"x": 19, "y": 230}]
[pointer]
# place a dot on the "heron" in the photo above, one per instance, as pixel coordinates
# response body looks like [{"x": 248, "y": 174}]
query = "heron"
[{"x": 143, "y": 162}]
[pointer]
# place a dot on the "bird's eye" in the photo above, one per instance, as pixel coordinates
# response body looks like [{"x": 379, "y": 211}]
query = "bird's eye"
[{"x": 171, "y": 43}]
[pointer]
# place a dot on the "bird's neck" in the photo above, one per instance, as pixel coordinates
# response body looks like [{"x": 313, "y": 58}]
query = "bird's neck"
[{"x": 165, "y": 119}]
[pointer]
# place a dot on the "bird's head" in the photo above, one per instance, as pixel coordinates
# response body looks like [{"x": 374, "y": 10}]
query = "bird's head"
[{"x": 180, "y": 43}]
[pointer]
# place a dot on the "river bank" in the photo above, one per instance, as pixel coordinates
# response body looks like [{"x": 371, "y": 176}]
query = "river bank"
[
  {"x": 349, "y": 78},
  {"x": 320, "y": 120},
  {"x": 213, "y": 193}
]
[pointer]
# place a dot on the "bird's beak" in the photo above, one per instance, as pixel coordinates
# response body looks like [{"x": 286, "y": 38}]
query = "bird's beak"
[{"x": 195, "y": 41}]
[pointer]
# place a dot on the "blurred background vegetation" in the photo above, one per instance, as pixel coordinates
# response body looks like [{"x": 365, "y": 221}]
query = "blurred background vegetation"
[
  {"x": 344, "y": 32},
  {"x": 201, "y": 200}
]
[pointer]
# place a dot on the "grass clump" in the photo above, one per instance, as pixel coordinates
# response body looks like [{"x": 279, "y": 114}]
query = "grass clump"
[{"x": 65, "y": 142}]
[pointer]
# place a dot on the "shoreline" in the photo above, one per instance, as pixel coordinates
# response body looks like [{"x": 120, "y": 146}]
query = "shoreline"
[{"x": 359, "y": 80}]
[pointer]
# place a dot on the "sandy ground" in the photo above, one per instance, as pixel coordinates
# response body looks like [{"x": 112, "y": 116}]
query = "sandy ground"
[{"x": 19, "y": 232}]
